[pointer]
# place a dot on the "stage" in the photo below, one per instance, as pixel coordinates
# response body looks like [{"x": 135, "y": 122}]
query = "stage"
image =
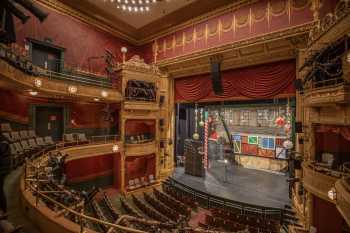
[{"x": 240, "y": 184}]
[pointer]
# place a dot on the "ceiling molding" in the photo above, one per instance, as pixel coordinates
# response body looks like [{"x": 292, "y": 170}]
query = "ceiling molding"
[
  {"x": 64, "y": 9},
  {"x": 129, "y": 33}
]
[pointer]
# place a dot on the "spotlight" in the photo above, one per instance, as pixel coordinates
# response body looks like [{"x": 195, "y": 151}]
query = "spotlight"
[{"x": 96, "y": 99}]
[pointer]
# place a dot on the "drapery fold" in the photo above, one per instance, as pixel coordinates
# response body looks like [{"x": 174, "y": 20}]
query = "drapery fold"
[
  {"x": 255, "y": 82},
  {"x": 342, "y": 130}
]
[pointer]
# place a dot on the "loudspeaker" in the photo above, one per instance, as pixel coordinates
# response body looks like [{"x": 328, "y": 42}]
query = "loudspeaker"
[
  {"x": 161, "y": 99},
  {"x": 161, "y": 122},
  {"x": 298, "y": 84},
  {"x": 298, "y": 127},
  {"x": 216, "y": 78},
  {"x": 297, "y": 164}
]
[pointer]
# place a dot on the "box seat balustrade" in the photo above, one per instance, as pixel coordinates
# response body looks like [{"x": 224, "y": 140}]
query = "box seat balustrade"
[
  {"x": 342, "y": 187},
  {"x": 320, "y": 179}
]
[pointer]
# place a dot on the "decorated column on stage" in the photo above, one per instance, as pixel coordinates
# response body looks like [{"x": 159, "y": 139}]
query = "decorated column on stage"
[{"x": 206, "y": 126}]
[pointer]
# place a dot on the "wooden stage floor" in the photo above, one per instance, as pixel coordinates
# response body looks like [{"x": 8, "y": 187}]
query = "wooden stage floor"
[{"x": 242, "y": 184}]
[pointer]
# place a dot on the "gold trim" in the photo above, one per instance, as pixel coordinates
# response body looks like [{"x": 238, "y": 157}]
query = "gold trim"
[
  {"x": 282, "y": 6},
  {"x": 225, "y": 27}
]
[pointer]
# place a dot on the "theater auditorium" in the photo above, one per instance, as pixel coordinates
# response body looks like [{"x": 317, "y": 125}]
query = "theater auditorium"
[{"x": 175, "y": 116}]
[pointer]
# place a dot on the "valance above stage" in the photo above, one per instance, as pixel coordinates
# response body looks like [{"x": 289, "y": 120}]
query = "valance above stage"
[{"x": 266, "y": 81}]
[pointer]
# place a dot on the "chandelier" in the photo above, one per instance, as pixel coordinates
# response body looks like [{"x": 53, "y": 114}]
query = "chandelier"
[{"x": 134, "y": 5}]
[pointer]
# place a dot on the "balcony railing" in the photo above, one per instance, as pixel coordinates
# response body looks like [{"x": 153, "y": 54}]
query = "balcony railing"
[
  {"x": 55, "y": 69},
  {"x": 320, "y": 179}
]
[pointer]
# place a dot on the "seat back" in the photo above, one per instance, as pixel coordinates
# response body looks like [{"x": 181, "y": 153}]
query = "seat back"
[
  {"x": 131, "y": 183},
  {"x": 32, "y": 142},
  {"x": 7, "y": 136},
  {"x": 40, "y": 141},
  {"x": 68, "y": 137},
  {"x": 15, "y": 136},
  {"x": 18, "y": 147},
  {"x": 151, "y": 177},
  {"x": 13, "y": 149},
  {"x": 23, "y": 134},
  {"x": 82, "y": 137},
  {"x": 48, "y": 140},
  {"x": 31, "y": 134},
  {"x": 25, "y": 145},
  {"x": 137, "y": 181},
  {"x": 6, "y": 127}
]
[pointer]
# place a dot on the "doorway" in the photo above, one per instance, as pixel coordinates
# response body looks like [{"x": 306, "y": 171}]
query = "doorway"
[{"x": 49, "y": 121}]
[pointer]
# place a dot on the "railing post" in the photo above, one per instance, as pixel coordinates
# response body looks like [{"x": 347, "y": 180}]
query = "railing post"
[{"x": 81, "y": 219}]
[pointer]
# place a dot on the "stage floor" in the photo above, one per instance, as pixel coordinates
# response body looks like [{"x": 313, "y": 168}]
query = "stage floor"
[{"x": 242, "y": 184}]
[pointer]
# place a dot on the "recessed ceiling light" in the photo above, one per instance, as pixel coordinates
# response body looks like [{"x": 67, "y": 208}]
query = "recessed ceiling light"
[{"x": 96, "y": 99}]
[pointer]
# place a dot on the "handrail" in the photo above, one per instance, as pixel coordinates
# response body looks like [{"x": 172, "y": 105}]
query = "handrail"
[
  {"x": 213, "y": 200},
  {"x": 105, "y": 138},
  {"x": 35, "y": 163},
  {"x": 80, "y": 215},
  {"x": 325, "y": 170},
  {"x": 75, "y": 78}
]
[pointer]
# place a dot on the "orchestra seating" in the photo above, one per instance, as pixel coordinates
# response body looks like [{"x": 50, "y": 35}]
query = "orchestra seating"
[
  {"x": 160, "y": 207},
  {"x": 149, "y": 211},
  {"x": 172, "y": 203},
  {"x": 231, "y": 221},
  {"x": 180, "y": 196}
]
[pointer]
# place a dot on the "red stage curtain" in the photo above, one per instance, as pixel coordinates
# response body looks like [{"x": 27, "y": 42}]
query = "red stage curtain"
[{"x": 256, "y": 82}]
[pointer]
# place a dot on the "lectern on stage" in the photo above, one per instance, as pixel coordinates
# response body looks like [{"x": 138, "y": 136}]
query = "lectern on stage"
[{"x": 194, "y": 158}]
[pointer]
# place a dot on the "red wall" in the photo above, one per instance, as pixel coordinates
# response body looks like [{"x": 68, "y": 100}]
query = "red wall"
[
  {"x": 327, "y": 218},
  {"x": 80, "y": 40},
  {"x": 15, "y": 107},
  {"x": 137, "y": 167},
  {"x": 136, "y": 127},
  {"x": 91, "y": 167}
]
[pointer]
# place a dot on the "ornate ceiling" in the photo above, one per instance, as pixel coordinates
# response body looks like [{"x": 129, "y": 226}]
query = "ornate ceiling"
[{"x": 162, "y": 16}]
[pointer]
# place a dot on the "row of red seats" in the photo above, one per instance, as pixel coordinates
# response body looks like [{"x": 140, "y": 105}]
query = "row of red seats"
[
  {"x": 230, "y": 225},
  {"x": 163, "y": 209},
  {"x": 148, "y": 211},
  {"x": 254, "y": 221},
  {"x": 180, "y": 196},
  {"x": 172, "y": 202}
]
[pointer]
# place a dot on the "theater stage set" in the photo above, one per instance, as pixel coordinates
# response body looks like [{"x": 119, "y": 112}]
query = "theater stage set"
[{"x": 175, "y": 116}]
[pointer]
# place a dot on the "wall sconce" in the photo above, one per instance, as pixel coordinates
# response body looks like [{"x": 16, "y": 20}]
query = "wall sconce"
[
  {"x": 38, "y": 83},
  {"x": 33, "y": 93},
  {"x": 104, "y": 94},
  {"x": 124, "y": 50},
  {"x": 72, "y": 89},
  {"x": 115, "y": 148},
  {"x": 332, "y": 194}
]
